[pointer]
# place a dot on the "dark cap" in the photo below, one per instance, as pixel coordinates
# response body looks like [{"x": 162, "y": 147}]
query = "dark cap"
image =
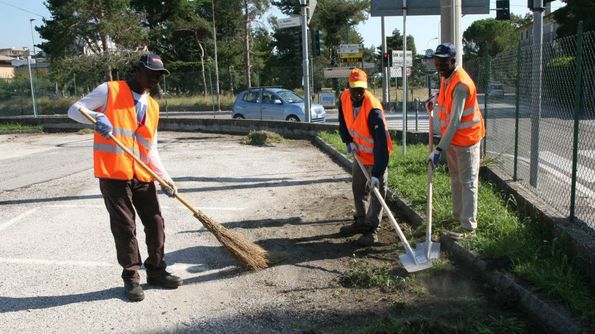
[
  {"x": 445, "y": 50},
  {"x": 152, "y": 62}
]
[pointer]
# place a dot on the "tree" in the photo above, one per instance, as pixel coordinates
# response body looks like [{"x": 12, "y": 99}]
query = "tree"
[
  {"x": 568, "y": 17},
  {"x": 489, "y": 37},
  {"x": 92, "y": 25}
]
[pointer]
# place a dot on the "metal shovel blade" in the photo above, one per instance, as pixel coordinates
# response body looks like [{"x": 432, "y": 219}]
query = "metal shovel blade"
[
  {"x": 410, "y": 264},
  {"x": 422, "y": 249}
]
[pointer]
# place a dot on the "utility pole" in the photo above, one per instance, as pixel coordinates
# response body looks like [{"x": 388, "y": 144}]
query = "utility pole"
[
  {"x": 385, "y": 68},
  {"x": 216, "y": 62},
  {"x": 305, "y": 59},
  {"x": 247, "y": 45}
]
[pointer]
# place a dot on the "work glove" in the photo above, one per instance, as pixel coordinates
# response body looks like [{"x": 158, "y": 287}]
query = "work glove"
[
  {"x": 169, "y": 188},
  {"x": 429, "y": 103},
  {"x": 103, "y": 126},
  {"x": 352, "y": 148},
  {"x": 434, "y": 158},
  {"x": 372, "y": 183}
]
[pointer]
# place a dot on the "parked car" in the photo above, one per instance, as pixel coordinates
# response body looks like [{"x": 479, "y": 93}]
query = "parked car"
[
  {"x": 274, "y": 104},
  {"x": 495, "y": 89}
]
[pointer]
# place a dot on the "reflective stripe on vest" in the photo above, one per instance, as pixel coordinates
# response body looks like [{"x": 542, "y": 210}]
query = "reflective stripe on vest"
[
  {"x": 471, "y": 129},
  {"x": 110, "y": 161},
  {"x": 358, "y": 127}
]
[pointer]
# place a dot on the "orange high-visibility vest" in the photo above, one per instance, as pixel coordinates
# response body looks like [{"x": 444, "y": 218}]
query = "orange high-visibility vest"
[
  {"x": 109, "y": 160},
  {"x": 471, "y": 129},
  {"x": 358, "y": 127}
]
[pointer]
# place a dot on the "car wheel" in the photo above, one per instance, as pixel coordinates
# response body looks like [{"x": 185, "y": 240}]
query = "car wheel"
[
  {"x": 238, "y": 116},
  {"x": 292, "y": 118}
]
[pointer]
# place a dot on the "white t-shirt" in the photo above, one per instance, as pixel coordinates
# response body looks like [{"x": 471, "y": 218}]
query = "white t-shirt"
[{"x": 97, "y": 100}]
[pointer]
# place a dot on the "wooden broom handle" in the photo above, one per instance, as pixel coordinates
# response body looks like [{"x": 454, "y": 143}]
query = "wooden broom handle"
[{"x": 162, "y": 182}]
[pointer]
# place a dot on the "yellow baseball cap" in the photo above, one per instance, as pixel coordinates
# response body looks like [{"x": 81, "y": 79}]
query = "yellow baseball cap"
[{"x": 358, "y": 79}]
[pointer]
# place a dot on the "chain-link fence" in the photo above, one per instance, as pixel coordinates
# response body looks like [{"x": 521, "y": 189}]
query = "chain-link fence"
[{"x": 540, "y": 122}]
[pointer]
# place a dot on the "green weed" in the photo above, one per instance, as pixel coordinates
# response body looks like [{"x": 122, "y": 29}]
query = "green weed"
[
  {"x": 17, "y": 127},
  {"x": 262, "y": 138}
]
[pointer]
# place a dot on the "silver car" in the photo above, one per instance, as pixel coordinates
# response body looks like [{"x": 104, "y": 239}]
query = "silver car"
[{"x": 274, "y": 104}]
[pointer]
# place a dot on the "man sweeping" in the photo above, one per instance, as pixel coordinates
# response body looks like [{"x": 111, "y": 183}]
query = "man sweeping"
[
  {"x": 125, "y": 110},
  {"x": 363, "y": 129},
  {"x": 461, "y": 130}
]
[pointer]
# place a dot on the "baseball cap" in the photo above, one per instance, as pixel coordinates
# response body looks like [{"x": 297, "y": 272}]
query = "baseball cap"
[
  {"x": 445, "y": 50},
  {"x": 358, "y": 79},
  {"x": 153, "y": 62}
]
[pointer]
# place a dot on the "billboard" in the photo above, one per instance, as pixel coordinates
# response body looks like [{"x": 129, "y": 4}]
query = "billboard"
[{"x": 425, "y": 7}]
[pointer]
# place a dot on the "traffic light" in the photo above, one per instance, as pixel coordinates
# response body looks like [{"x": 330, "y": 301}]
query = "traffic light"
[
  {"x": 502, "y": 9},
  {"x": 386, "y": 59},
  {"x": 317, "y": 42}
]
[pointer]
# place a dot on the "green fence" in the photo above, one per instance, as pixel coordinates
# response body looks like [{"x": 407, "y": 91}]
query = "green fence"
[{"x": 541, "y": 124}]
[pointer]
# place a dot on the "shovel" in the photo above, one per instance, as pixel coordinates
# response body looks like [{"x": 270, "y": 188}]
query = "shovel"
[
  {"x": 412, "y": 261},
  {"x": 432, "y": 248}
]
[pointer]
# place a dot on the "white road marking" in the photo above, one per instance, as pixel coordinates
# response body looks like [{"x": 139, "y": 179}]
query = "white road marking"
[
  {"x": 54, "y": 262},
  {"x": 582, "y": 172},
  {"x": 561, "y": 177},
  {"x": 16, "y": 219}
]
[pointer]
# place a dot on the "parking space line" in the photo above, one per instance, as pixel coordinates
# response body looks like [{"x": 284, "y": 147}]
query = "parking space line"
[
  {"x": 54, "y": 262},
  {"x": 16, "y": 219}
]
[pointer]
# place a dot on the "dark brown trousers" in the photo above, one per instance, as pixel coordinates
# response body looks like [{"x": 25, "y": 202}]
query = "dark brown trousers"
[{"x": 121, "y": 199}]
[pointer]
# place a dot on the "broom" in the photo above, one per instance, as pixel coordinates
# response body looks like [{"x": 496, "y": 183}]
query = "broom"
[{"x": 248, "y": 253}]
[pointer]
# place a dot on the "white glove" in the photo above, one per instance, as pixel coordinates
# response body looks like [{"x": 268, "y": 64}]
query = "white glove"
[
  {"x": 170, "y": 189},
  {"x": 372, "y": 183}
]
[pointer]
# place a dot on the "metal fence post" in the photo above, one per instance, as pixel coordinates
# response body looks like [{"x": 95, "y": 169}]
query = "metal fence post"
[
  {"x": 578, "y": 110},
  {"x": 517, "y": 113},
  {"x": 485, "y": 101}
]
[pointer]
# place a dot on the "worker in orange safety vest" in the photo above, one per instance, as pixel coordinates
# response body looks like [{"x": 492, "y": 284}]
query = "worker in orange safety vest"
[
  {"x": 364, "y": 130},
  {"x": 126, "y": 110},
  {"x": 457, "y": 115}
]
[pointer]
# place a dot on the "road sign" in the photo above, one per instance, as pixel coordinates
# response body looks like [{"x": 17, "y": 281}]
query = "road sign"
[
  {"x": 336, "y": 72},
  {"x": 398, "y": 58},
  {"x": 327, "y": 99},
  {"x": 425, "y": 7},
  {"x": 349, "y": 48},
  {"x": 311, "y": 7},
  {"x": 292, "y": 21},
  {"x": 397, "y": 72}
]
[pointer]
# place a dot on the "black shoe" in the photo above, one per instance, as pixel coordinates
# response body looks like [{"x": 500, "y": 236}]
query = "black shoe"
[
  {"x": 134, "y": 292},
  {"x": 355, "y": 228},
  {"x": 368, "y": 239},
  {"x": 164, "y": 280}
]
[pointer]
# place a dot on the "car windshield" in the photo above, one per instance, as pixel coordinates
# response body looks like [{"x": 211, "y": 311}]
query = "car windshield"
[{"x": 289, "y": 96}]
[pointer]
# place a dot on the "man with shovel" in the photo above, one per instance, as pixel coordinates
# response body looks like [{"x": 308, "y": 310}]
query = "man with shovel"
[
  {"x": 461, "y": 128},
  {"x": 125, "y": 110},
  {"x": 363, "y": 129}
]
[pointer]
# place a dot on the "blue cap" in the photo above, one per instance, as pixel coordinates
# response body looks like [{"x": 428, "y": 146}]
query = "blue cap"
[
  {"x": 153, "y": 62},
  {"x": 445, "y": 50}
]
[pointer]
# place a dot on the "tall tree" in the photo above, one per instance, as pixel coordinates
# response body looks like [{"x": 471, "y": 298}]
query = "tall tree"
[
  {"x": 569, "y": 16},
  {"x": 489, "y": 37},
  {"x": 91, "y": 25}
]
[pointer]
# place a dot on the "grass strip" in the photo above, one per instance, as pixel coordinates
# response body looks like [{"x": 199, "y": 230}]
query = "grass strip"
[
  {"x": 503, "y": 239},
  {"x": 17, "y": 127}
]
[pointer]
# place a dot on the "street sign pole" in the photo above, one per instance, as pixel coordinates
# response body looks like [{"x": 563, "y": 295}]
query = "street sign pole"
[
  {"x": 305, "y": 59},
  {"x": 404, "y": 77}
]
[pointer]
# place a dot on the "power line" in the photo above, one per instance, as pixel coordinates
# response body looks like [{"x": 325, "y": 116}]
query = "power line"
[{"x": 23, "y": 9}]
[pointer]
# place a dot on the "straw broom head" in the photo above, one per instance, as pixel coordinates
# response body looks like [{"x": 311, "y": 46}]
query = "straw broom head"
[{"x": 248, "y": 253}]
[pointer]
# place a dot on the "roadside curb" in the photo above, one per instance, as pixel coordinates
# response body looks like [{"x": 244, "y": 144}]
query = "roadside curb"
[{"x": 555, "y": 317}]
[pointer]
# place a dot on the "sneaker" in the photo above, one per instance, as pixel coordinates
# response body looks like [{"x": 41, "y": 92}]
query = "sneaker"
[
  {"x": 460, "y": 233},
  {"x": 354, "y": 228},
  {"x": 368, "y": 239},
  {"x": 164, "y": 280},
  {"x": 134, "y": 292}
]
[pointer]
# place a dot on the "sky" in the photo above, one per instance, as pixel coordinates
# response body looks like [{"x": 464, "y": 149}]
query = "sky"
[{"x": 16, "y": 30}]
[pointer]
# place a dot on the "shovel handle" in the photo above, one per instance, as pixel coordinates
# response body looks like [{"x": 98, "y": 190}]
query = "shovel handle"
[
  {"x": 392, "y": 219},
  {"x": 85, "y": 112}
]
